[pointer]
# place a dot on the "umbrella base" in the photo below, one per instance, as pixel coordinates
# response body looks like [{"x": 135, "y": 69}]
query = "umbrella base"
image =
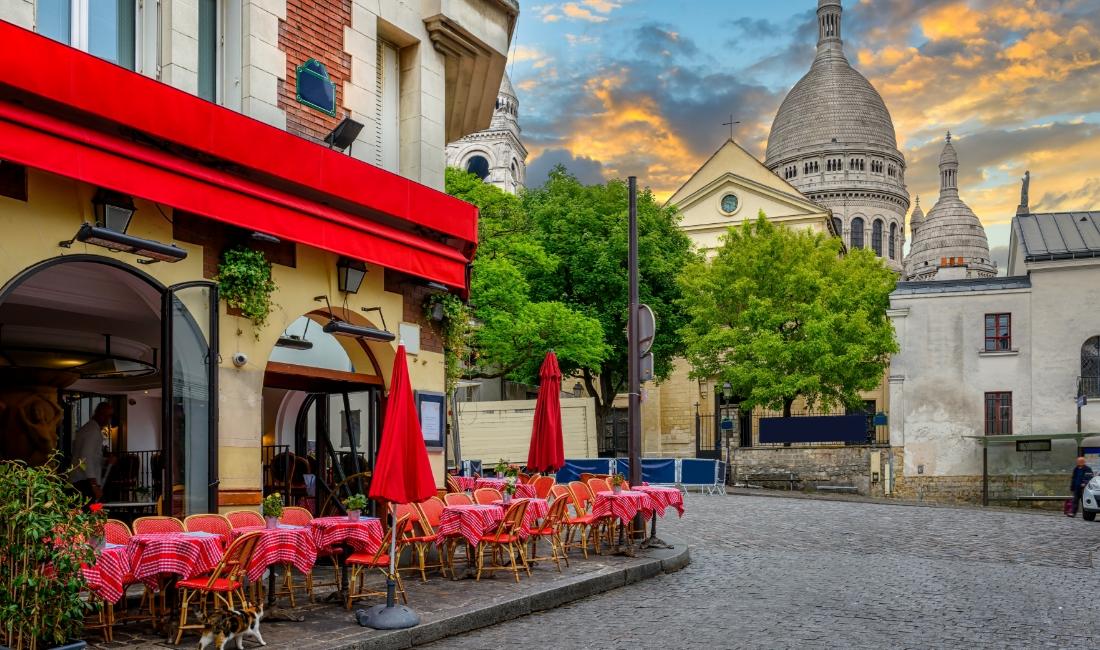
[{"x": 380, "y": 617}]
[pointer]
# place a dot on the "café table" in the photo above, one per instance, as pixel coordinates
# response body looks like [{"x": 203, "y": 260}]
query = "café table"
[
  {"x": 523, "y": 490},
  {"x": 536, "y": 510},
  {"x": 364, "y": 535},
  {"x": 623, "y": 506},
  {"x": 182, "y": 554},
  {"x": 467, "y": 523},
  {"x": 466, "y": 483},
  {"x": 285, "y": 544},
  {"x": 663, "y": 498},
  {"x": 106, "y": 578}
]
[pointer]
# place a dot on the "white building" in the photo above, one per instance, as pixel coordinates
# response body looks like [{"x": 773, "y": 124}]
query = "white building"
[
  {"x": 496, "y": 154},
  {"x": 833, "y": 139},
  {"x": 997, "y": 356}
]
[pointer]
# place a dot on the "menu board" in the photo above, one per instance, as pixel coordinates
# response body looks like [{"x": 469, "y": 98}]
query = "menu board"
[{"x": 430, "y": 408}]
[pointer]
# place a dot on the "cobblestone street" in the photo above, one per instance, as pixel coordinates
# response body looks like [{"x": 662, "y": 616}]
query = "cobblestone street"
[{"x": 802, "y": 573}]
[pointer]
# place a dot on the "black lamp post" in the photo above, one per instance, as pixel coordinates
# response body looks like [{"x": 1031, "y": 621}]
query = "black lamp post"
[
  {"x": 350, "y": 274},
  {"x": 113, "y": 210}
]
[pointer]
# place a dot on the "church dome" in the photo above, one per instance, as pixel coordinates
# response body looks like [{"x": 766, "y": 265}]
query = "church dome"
[
  {"x": 951, "y": 236},
  {"x": 833, "y": 103}
]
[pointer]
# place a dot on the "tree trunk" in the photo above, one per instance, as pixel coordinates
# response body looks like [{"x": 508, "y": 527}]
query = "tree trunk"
[{"x": 787, "y": 407}]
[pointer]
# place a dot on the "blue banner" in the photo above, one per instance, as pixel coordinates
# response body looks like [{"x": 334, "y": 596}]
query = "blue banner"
[{"x": 819, "y": 428}]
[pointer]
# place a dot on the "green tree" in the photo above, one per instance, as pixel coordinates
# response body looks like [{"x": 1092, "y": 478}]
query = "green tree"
[
  {"x": 583, "y": 230},
  {"x": 514, "y": 328},
  {"x": 782, "y": 314}
]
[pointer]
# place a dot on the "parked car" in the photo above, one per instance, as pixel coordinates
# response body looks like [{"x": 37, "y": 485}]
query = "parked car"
[{"x": 1090, "y": 499}]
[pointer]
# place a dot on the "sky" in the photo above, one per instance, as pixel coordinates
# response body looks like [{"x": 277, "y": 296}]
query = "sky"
[{"x": 611, "y": 88}]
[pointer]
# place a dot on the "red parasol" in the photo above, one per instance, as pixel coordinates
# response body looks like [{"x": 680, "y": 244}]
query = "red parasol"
[
  {"x": 402, "y": 472},
  {"x": 547, "y": 453}
]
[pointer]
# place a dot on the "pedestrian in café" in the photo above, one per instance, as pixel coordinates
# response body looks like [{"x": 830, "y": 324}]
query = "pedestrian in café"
[
  {"x": 87, "y": 475},
  {"x": 1082, "y": 474}
]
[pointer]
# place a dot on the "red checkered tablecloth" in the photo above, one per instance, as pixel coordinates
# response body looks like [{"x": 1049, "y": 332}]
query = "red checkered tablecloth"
[
  {"x": 184, "y": 554},
  {"x": 286, "y": 544},
  {"x": 364, "y": 535},
  {"x": 469, "y": 522},
  {"x": 467, "y": 483},
  {"x": 664, "y": 498},
  {"x": 523, "y": 490},
  {"x": 107, "y": 578},
  {"x": 536, "y": 509},
  {"x": 624, "y": 505}
]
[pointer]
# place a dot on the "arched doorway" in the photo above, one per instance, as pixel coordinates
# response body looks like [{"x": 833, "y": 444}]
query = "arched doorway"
[
  {"x": 322, "y": 415},
  {"x": 83, "y": 329}
]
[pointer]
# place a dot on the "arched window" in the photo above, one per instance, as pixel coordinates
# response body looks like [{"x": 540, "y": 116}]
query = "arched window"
[
  {"x": 893, "y": 241},
  {"x": 876, "y": 237},
  {"x": 1090, "y": 368},
  {"x": 478, "y": 166},
  {"x": 857, "y": 232}
]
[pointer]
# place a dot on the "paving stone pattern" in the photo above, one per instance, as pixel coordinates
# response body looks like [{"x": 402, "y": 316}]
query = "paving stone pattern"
[{"x": 802, "y": 573}]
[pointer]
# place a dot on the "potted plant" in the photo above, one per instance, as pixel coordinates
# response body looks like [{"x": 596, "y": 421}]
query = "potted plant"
[
  {"x": 46, "y": 538},
  {"x": 501, "y": 468},
  {"x": 355, "y": 504},
  {"x": 617, "y": 481},
  {"x": 273, "y": 509},
  {"x": 509, "y": 488}
]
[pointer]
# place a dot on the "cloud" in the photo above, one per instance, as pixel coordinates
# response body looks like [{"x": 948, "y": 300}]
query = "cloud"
[
  {"x": 663, "y": 37},
  {"x": 755, "y": 27},
  {"x": 586, "y": 170},
  {"x": 602, "y": 6},
  {"x": 581, "y": 39},
  {"x": 525, "y": 53},
  {"x": 577, "y": 12}
]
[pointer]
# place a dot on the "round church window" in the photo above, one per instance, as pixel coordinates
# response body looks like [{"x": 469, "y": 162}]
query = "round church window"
[{"x": 730, "y": 203}]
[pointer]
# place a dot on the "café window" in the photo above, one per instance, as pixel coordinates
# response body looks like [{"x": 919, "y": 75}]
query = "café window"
[
  {"x": 998, "y": 332},
  {"x": 998, "y": 414},
  {"x": 104, "y": 28}
]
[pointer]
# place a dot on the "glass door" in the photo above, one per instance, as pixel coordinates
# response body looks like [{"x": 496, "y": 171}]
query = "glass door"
[
  {"x": 340, "y": 431},
  {"x": 190, "y": 366}
]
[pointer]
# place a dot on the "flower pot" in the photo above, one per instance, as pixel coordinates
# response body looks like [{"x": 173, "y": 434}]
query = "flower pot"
[
  {"x": 272, "y": 523},
  {"x": 507, "y": 498},
  {"x": 353, "y": 515},
  {"x": 616, "y": 489}
]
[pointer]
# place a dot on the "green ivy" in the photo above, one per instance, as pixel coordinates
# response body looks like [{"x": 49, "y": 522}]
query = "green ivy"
[
  {"x": 454, "y": 329},
  {"x": 244, "y": 280},
  {"x": 45, "y": 535}
]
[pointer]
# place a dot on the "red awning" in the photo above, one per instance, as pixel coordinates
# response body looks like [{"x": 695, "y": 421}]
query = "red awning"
[{"x": 72, "y": 114}]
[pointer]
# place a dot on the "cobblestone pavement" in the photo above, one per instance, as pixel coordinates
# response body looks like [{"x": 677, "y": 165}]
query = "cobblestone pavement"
[{"x": 798, "y": 573}]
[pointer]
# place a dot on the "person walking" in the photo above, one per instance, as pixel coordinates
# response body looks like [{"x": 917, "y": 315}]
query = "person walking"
[
  {"x": 88, "y": 453},
  {"x": 1082, "y": 474}
]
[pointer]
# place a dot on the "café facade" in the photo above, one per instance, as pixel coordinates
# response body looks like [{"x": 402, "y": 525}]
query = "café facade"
[{"x": 120, "y": 196}]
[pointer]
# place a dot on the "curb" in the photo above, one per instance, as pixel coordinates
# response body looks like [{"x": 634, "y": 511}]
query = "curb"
[{"x": 546, "y": 598}]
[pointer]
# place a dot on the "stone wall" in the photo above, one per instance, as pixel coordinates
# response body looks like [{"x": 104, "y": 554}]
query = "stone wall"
[
  {"x": 815, "y": 466},
  {"x": 968, "y": 488}
]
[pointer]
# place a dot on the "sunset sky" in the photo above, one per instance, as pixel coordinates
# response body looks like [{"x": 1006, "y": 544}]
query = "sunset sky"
[{"x": 618, "y": 87}]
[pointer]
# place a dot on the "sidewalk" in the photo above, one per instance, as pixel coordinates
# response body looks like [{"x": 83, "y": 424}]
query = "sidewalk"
[{"x": 445, "y": 607}]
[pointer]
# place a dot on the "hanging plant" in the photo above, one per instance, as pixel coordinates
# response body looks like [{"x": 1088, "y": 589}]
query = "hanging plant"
[
  {"x": 244, "y": 280},
  {"x": 450, "y": 318}
]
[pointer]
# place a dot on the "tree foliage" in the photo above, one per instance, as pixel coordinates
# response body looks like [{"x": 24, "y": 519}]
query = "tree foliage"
[
  {"x": 782, "y": 314},
  {"x": 514, "y": 328},
  {"x": 583, "y": 228}
]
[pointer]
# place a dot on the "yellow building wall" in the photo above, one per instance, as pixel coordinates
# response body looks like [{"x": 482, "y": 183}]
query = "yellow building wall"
[{"x": 57, "y": 206}]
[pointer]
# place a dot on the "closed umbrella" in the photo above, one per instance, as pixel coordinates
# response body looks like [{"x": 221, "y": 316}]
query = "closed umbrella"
[
  {"x": 402, "y": 474},
  {"x": 547, "y": 452}
]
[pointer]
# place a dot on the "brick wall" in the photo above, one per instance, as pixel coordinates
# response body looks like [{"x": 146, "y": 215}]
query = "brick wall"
[{"x": 314, "y": 29}]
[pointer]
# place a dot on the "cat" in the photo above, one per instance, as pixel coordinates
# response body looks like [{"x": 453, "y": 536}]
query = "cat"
[{"x": 222, "y": 627}]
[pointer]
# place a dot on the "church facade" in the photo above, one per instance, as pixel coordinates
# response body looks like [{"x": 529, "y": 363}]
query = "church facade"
[{"x": 496, "y": 155}]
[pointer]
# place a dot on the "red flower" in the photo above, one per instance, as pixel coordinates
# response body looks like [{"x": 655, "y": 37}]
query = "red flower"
[{"x": 96, "y": 507}]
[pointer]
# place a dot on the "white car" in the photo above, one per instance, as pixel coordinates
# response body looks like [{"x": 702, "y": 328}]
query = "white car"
[{"x": 1090, "y": 499}]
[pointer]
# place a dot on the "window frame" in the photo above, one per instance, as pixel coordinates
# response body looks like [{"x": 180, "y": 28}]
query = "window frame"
[
  {"x": 80, "y": 31},
  {"x": 876, "y": 236},
  {"x": 993, "y": 342},
  {"x": 998, "y": 413},
  {"x": 853, "y": 231},
  {"x": 893, "y": 240}
]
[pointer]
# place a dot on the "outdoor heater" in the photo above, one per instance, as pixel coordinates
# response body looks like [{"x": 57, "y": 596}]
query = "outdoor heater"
[
  {"x": 120, "y": 241},
  {"x": 113, "y": 210},
  {"x": 344, "y": 328}
]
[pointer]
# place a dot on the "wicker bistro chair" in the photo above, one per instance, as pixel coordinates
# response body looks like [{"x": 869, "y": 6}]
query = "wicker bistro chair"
[
  {"x": 144, "y": 525},
  {"x": 358, "y": 563},
  {"x": 296, "y": 516},
  {"x": 584, "y": 521},
  {"x": 551, "y": 529},
  {"x": 116, "y": 532},
  {"x": 225, "y": 583},
  {"x": 505, "y": 543},
  {"x": 458, "y": 499},
  {"x": 597, "y": 485},
  {"x": 560, "y": 491},
  {"x": 216, "y": 524},
  {"x": 486, "y": 496},
  {"x": 428, "y": 516},
  {"x": 542, "y": 486},
  {"x": 452, "y": 484},
  {"x": 242, "y": 518}
]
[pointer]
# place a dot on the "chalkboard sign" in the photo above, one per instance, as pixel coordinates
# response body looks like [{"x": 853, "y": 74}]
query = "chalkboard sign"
[{"x": 315, "y": 89}]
